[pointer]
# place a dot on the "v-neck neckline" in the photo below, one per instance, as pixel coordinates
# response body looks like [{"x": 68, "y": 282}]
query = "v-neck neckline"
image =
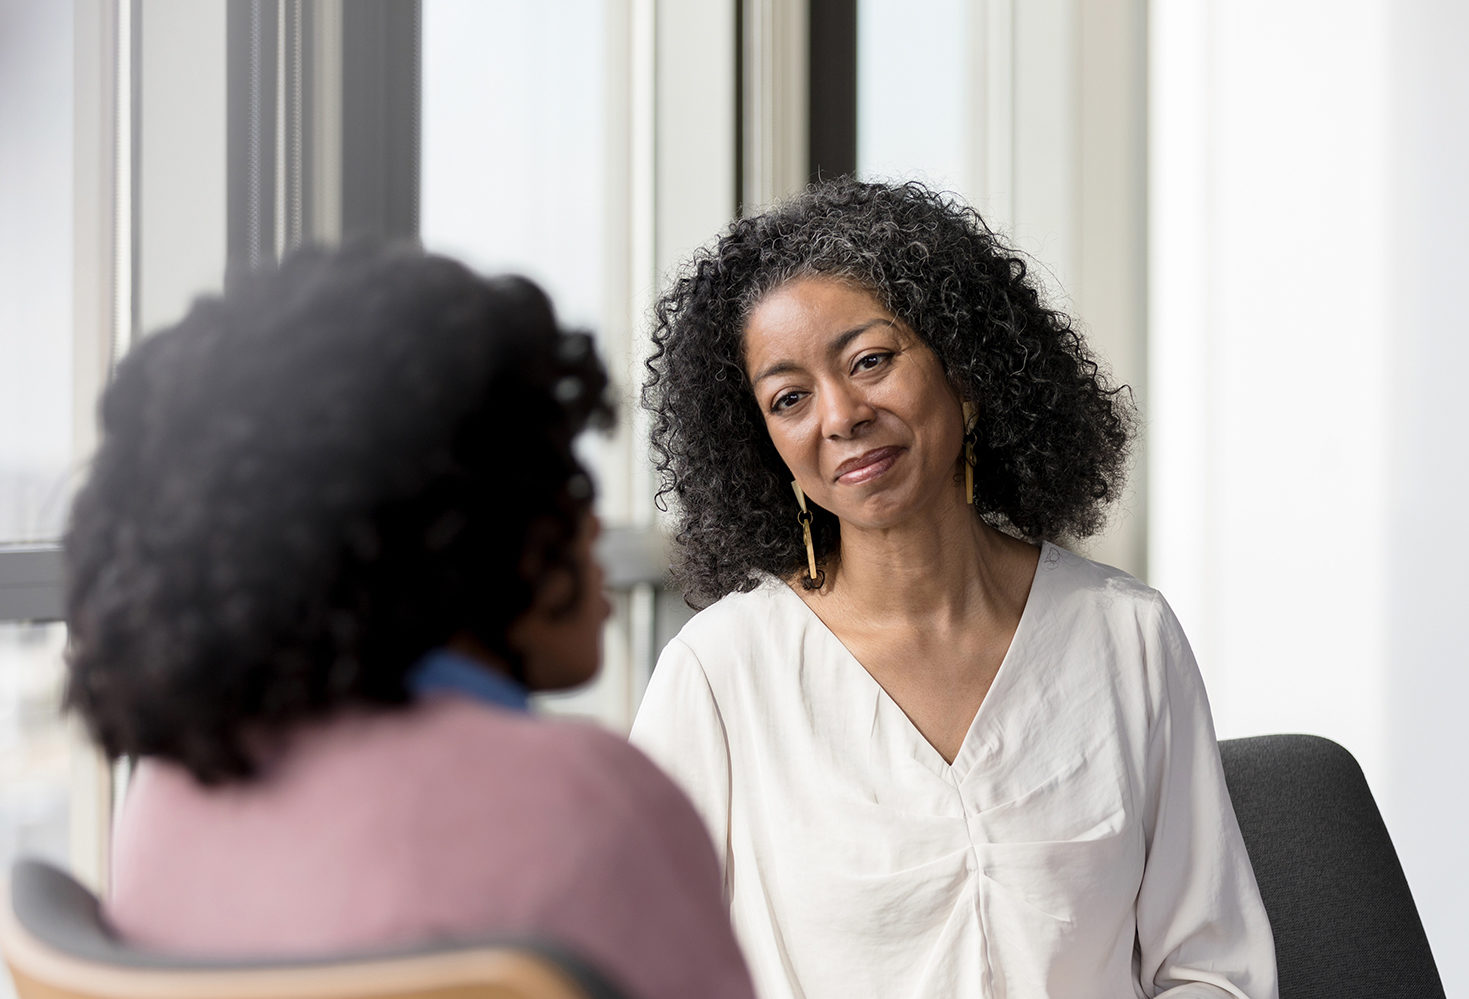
[{"x": 962, "y": 762}]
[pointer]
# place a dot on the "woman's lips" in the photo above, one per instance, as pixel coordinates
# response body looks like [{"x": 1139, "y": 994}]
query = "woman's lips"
[{"x": 868, "y": 466}]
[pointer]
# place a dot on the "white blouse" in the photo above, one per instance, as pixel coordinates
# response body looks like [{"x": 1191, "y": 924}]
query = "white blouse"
[{"x": 1081, "y": 844}]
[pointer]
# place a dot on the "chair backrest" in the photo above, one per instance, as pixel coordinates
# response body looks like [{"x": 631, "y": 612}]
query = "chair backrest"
[
  {"x": 1344, "y": 920},
  {"x": 58, "y": 946}
]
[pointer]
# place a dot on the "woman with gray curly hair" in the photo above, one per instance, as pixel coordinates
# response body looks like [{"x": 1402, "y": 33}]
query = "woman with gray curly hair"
[{"x": 938, "y": 753}]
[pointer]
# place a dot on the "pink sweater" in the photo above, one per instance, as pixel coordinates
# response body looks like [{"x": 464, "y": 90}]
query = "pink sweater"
[{"x": 451, "y": 818}]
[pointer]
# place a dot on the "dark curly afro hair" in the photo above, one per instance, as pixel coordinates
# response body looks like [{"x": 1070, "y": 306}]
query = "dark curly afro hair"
[
  {"x": 308, "y": 483},
  {"x": 1052, "y": 438}
]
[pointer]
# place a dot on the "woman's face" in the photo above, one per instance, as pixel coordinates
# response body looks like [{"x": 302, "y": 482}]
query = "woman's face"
[
  {"x": 563, "y": 650},
  {"x": 856, "y": 404}
]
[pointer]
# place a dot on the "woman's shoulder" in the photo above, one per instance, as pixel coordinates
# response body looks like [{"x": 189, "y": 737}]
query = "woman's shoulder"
[
  {"x": 1081, "y": 575},
  {"x": 463, "y": 742},
  {"x": 580, "y": 755},
  {"x": 452, "y": 755},
  {"x": 639, "y": 814},
  {"x": 739, "y": 620},
  {"x": 606, "y": 760},
  {"x": 1076, "y": 586}
]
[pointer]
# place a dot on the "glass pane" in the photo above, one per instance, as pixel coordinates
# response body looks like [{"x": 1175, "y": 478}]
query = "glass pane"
[
  {"x": 915, "y": 101},
  {"x": 514, "y": 143},
  {"x": 513, "y": 171},
  {"x": 514, "y": 178},
  {"x": 34, "y": 744},
  {"x": 35, "y": 268}
]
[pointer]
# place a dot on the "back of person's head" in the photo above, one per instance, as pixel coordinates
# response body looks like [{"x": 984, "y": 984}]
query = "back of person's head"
[{"x": 310, "y": 481}]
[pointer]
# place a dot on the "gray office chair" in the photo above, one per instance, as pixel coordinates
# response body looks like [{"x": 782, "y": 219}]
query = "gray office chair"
[
  {"x": 57, "y": 945},
  {"x": 1344, "y": 920}
]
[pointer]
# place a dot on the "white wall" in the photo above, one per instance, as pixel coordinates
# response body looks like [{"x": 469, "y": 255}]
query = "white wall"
[
  {"x": 1308, "y": 217},
  {"x": 1425, "y": 586}
]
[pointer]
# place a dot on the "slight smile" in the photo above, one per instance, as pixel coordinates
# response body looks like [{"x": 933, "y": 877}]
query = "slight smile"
[{"x": 866, "y": 467}]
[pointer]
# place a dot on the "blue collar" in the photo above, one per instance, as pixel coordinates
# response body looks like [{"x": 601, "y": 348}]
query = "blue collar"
[{"x": 445, "y": 670}]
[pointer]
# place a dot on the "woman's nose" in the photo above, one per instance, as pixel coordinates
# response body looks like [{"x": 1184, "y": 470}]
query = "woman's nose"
[{"x": 844, "y": 411}]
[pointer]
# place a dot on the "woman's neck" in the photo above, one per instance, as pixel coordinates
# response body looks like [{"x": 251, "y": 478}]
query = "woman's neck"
[{"x": 946, "y": 566}]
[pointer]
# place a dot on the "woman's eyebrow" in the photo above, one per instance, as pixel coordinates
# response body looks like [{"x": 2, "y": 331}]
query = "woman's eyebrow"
[{"x": 837, "y": 345}]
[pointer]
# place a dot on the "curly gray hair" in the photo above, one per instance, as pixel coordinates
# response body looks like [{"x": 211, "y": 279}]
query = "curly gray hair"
[{"x": 1053, "y": 436}]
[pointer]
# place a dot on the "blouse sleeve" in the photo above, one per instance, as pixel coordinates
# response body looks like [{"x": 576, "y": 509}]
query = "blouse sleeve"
[
  {"x": 679, "y": 726},
  {"x": 1202, "y": 929}
]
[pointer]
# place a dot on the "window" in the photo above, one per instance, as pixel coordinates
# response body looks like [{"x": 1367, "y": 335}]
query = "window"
[
  {"x": 35, "y": 269},
  {"x": 34, "y": 743},
  {"x": 37, "y": 411}
]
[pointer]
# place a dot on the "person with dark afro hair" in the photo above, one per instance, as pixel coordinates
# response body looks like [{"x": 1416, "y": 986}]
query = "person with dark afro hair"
[
  {"x": 334, "y": 534},
  {"x": 939, "y": 754}
]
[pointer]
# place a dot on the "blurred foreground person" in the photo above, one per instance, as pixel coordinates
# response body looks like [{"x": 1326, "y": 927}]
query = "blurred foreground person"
[{"x": 334, "y": 533}]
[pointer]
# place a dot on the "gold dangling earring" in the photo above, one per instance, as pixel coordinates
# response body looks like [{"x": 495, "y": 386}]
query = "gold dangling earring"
[
  {"x": 804, "y": 518},
  {"x": 969, "y": 453}
]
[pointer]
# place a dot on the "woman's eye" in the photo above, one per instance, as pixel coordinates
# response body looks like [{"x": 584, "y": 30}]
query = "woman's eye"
[
  {"x": 785, "y": 401},
  {"x": 869, "y": 361}
]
